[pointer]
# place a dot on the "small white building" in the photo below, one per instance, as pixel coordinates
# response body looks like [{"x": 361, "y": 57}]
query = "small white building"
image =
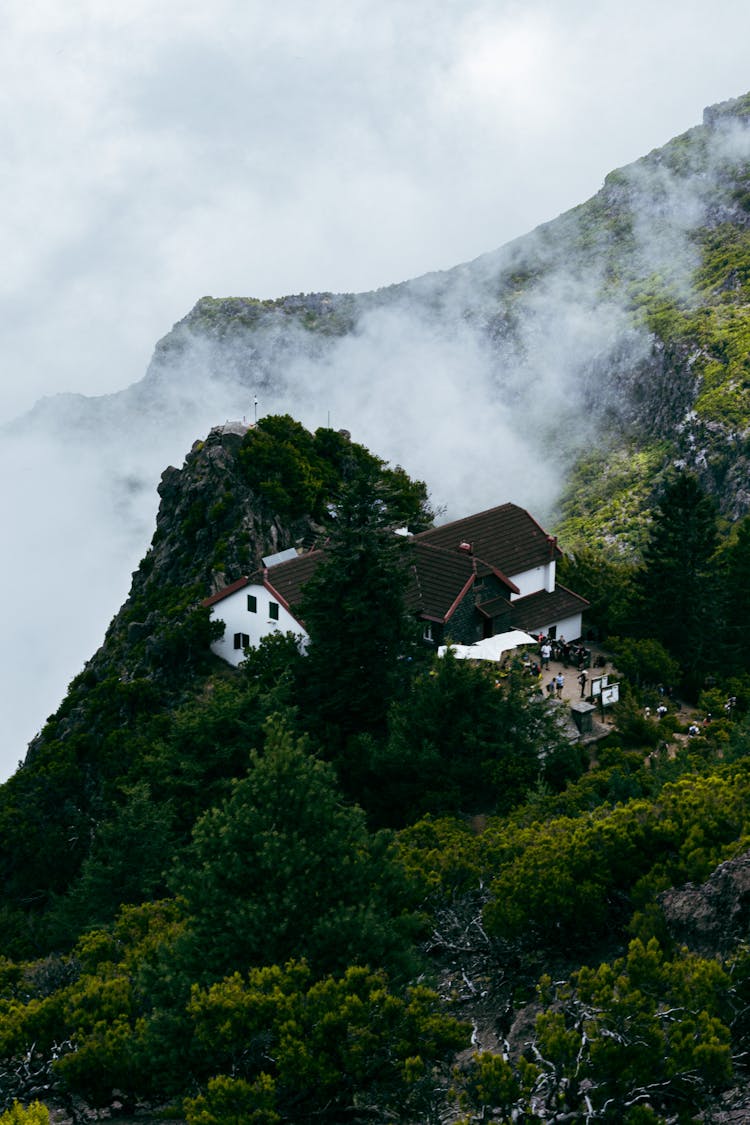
[{"x": 253, "y": 608}]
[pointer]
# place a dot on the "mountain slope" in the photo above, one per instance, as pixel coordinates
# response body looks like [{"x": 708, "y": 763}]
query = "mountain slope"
[
  {"x": 576, "y": 364},
  {"x": 192, "y": 903},
  {"x": 564, "y": 372}
]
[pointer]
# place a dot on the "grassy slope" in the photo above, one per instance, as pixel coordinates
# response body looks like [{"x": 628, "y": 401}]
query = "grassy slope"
[{"x": 701, "y": 348}]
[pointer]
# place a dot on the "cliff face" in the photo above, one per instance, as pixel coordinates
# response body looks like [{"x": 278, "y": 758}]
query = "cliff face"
[
  {"x": 714, "y": 917},
  {"x": 621, "y": 324},
  {"x": 211, "y": 528},
  {"x": 210, "y": 524}
]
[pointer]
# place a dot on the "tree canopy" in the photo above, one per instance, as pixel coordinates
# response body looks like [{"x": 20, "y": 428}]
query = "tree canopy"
[
  {"x": 285, "y": 868},
  {"x": 200, "y": 901},
  {"x": 297, "y": 473},
  {"x": 678, "y": 590},
  {"x": 361, "y": 635}
]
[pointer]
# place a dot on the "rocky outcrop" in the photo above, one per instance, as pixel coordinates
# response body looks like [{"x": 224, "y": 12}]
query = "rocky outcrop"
[
  {"x": 210, "y": 523},
  {"x": 737, "y": 108},
  {"x": 211, "y": 529},
  {"x": 713, "y": 917}
]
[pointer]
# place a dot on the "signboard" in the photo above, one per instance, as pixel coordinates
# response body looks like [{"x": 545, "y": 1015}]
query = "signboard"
[
  {"x": 597, "y": 683},
  {"x": 610, "y": 694}
]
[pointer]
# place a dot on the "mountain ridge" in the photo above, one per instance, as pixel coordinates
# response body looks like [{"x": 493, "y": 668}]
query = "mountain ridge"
[
  {"x": 565, "y": 371},
  {"x": 178, "y": 817},
  {"x": 598, "y": 259}
]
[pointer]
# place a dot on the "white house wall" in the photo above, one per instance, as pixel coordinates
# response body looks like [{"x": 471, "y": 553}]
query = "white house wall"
[
  {"x": 253, "y": 624},
  {"x": 567, "y": 627},
  {"x": 532, "y": 581}
]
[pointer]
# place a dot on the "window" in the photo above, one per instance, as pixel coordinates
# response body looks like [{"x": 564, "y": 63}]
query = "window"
[
  {"x": 252, "y": 603},
  {"x": 241, "y": 641},
  {"x": 427, "y": 632},
  {"x": 273, "y": 611}
]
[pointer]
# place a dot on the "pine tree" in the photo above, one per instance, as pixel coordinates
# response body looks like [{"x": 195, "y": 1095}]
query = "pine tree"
[
  {"x": 735, "y": 591},
  {"x": 679, "y": 597},
  {"x": 284, "y": 868},
  {"x": 354, "y": 611}
]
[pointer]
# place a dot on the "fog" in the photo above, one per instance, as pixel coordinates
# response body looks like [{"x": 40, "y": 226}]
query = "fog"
[
  {"x": 159, "y": 154},
  {"x": 154, "y": 153}
]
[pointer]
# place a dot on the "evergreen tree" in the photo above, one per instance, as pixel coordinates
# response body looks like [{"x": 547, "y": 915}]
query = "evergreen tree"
[
  {"x": 678, "y": 595},
  {"x": 354, "y": 611},
  {"x": 285, "y": 869},
  {"x": 735, "y": 590},
  {"x": 608, "y": 584},
  {"x": 458, "y": 743}
]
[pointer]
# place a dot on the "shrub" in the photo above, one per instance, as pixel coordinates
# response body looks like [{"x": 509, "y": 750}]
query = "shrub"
[{"x": 34, "y": 1114}]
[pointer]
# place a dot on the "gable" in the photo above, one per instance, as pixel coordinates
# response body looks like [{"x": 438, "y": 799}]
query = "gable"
[
  {"x": 506, "y": 536},
  {"x": 439, "y": 579},
  {"x": 226, "y": 592},
  {"x": 287, "y": 579}
]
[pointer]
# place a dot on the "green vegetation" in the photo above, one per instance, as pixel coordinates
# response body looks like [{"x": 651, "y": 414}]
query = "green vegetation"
[
  {"x": 676, "y": 604},
  {"x": 688, "y": 402},
  {"x": 34, "y": 1114},
  {"x": 331, "y": 1044},
  {"x": 643, "y": 1030},
  {"x": 615, "y": 1041},
  {"x": 606, "y": 498},
  {"x": 677, "y": 613},
  {"x": 455, "y": 743},
  {"x": 276, "y": 893},
  {"x": 299, "y": 473},
  {"x": 282, "y": 869},
  {"x": 225, "y": 318}
]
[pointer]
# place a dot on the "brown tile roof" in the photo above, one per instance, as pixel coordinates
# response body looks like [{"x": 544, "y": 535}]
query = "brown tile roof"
[
  {"x": 507, "y": 535},
  {"x": 286, "y": 579},
  {"x": 537, "y": 610},
  {"x": 495, "y": 607},
  {"x": 440, "y": 578},
  {"x": 437, "y": 580},
  {"x": 441, "y": 573},
  {"x": 230, "y": 589}
]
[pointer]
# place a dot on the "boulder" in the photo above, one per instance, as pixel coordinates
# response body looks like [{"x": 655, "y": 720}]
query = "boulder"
[{"x": 713, "y": 917}]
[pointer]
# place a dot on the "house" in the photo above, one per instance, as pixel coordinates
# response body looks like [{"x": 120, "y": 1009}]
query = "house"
[
  {"x": 263, "y": 603},
  {"x": 473, "y": 578},
  {"x": 490, "y": 573}
]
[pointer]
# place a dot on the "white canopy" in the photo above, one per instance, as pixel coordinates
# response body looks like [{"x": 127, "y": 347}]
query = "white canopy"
[{"x": 491, "y": 648}]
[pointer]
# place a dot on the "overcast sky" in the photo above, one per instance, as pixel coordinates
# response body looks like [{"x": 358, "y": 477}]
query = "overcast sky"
[
  {"x": 158, "y": 150},
  {"x": 155, "y": 151}
]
